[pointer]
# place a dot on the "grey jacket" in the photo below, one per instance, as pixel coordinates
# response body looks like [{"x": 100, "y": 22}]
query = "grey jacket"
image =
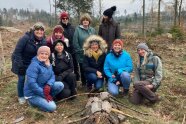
[{"x": 150, "y": 71}]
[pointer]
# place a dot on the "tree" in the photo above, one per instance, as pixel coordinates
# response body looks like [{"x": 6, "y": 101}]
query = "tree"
[
  {"x": 179, "y": 12},
  {"x": 159, "y": 5},
  {"x": 1, "y": 20},
  {"x": 175, "y": 12},
  {"x": 76, "y": 6}
]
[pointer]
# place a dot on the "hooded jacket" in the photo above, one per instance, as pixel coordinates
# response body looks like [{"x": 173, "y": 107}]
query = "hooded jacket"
[{"x": 90, "y": 65}]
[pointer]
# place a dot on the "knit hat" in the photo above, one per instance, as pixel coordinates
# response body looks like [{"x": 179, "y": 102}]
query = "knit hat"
[
  {"x": 38, "y": 25},
  {"x": 64, "y": 15},
  {"x": 143, "y": 46},
  {"x": 109, "y": 12},
  {"x": 58, "y": 28},
  {"x": 118, "y": 41},
  {"x": 61, "y": 42},
  {"x": 43, "y": 49}
]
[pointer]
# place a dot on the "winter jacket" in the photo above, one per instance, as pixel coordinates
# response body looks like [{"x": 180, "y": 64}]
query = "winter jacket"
[
  {"x": 63, "y": 65},
  {"x": 69, "y": 33},
  {"x": 90, "y": 65},
  {"x": 79, "y": 38},
  {"x": 150, "y": 71},
  {"x": 116, "y": 65},
  {"x": 109, "y": 31},
  {"x": 25, "y": 50},
  {"x": 37, "y": 76}
]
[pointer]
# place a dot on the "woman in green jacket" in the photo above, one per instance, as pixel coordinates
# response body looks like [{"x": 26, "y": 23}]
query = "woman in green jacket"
[{"x": 81, "y": 33}]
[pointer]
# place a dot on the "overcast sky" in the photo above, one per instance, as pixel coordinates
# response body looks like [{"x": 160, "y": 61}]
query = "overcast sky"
[{"x": 130, "y": 6}]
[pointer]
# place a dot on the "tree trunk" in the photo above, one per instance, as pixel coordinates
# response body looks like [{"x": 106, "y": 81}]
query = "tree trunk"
[
  {"x": 159, "y": 4},
  {"x": 143, "y": 28},
  {"x": 175, "y": 12},
  {"x": 179, "y": 14},
  {"x": 2, "y": 58}
]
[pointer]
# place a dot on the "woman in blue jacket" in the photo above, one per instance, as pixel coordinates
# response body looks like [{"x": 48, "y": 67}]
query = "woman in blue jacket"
[
  {"x": 117, "y": 67},
  {"x": 25, "y": 50},
  {"x": 40, "y": 86},
  {"x": 95, "y": 49}
]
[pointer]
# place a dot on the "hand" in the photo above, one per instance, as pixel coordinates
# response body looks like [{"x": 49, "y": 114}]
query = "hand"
[
  {"x": 117, "y": 83},
  {"x": 22, "y": 71},
  {"x": 113, "y": 76},
  {"x": 46, "y": 91},
  {"x": 99, "y": 74},
  {"x": 149, "y": 86}
]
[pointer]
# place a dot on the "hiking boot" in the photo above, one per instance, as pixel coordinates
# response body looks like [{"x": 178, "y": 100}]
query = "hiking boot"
[{"x": 21, "y": 100}]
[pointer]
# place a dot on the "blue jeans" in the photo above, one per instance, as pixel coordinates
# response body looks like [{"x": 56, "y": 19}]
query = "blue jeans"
[
  {"x": 124, "y": 80},
  {"x": 20, "y": 85},
  {"x": 93, "y": 79},
  {"x": 42, "y": 103}
]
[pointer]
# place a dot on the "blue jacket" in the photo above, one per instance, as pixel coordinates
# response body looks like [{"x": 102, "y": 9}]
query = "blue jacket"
[
  {"x": 25, "y": 50},
  {"x": 117, "y": 65},
  {"x": 37, "y": 76}
]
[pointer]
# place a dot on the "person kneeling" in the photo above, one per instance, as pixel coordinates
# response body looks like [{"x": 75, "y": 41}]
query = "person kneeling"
[{"x": 40, "y": 87}]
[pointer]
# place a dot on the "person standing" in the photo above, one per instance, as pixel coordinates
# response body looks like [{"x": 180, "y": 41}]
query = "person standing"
[
  {"x": 109, "y": 29},
  {"x": 148, "y": 75},
  {"x": 83, "y": 31},
  {"x": 25, "y": 50},
  {"x": 117, "y": 68},
  {"x": 95, "y": 49},
  {"x": 40, "y": 86},
  {"x": 69, "y": 33}
]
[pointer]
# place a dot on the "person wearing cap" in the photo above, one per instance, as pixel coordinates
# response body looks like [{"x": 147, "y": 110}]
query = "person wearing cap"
[
  {"x": 83, "y": 31},
  {"x": 69, "y": 33},
  {"x": 109, "y": 28},
  {"x": 117, "y": 68},
  {"x": 25, "y": 50},
  {"x": 95, "y": 49},
  {"x": 148, "y": 75},
  {"x": 64, "y": 70},
  {"x": 40, "y": 86}
]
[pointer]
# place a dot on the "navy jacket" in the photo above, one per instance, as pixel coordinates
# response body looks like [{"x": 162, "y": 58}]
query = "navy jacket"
[{"x": 25, "y": 50}]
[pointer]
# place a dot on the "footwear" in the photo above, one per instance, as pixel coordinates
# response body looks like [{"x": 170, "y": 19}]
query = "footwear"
[
  {"x": 22, "y": 100},
  {"x": 125, "y": 92}
]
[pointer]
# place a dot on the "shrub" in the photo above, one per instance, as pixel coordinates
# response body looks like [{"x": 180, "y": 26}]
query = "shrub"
[{"x": 177, "y": 33}]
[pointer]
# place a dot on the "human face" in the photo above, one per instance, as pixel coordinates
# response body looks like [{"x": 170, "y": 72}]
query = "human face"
[
  {"x": 58, "y": 35},
  {"x": 94, "y": 46},
  {"x": 59, "y": 47},
  {"x": 86, "y": 23},
  {"x": 43, "y": 56},
  {"x": 141, "y": 52},
  {"x": 39, "y": 33},
  {"x": 117, "y": 47},
  {"x": 65, "y": 20}
]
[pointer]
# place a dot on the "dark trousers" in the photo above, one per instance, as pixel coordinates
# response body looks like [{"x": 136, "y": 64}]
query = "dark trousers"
[
  {"x": 69, "y": 87},
  {"x": 83, "y": 79},
  {"x": 76, "y": 67},
  {"x": 141, "y": 92}
]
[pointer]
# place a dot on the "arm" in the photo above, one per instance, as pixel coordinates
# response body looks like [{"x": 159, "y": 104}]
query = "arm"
[
  {"x": 100, "y": 31},
  {"x": 118, "y": 32},
  {"x": 158, "y": 72},
  {"x": 32, "y": 75},
  {"x": 52, "y": 79},
  {"x": 86, "y": 65}
]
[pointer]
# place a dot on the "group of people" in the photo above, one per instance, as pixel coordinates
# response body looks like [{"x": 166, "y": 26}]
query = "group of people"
[{"x": 48, "y": 68}]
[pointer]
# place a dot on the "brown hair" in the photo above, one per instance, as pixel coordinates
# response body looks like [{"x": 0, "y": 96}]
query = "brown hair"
[{"x": 85, "y": 16}]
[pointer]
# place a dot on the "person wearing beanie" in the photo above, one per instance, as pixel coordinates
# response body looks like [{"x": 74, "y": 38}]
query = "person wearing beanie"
[
  {"x": 109, "y": 28},
  {"x": 25, "y": 50},
  {"x": 148, "y": 75},
  {"x": 69, "y": 33},
  {"x": 95, "y": 49},
  {"x": 83, "y": 31},
  {"x": 64, "y": 70},
  {"x": 40, "y": 84},
  {"x": 117, "y": 68}
]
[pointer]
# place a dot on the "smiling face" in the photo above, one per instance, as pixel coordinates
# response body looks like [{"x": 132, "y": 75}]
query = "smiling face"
[
  {"x": 39, "y": 33},
  {"x": 64, "y": 20},
  {"x": 43, "y": 56},
  {"x": 117, "y": 47},
  {"x": 58, "y": 35},
  {"x": 59, "y": 47},
  {"x": 141, "y": 52},
  {"x": 94, "y": 46},
  {"x": 85, "y": 22}
]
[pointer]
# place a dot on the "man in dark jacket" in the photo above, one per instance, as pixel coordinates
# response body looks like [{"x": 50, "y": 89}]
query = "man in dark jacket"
[
  {"x": 25, "y": 50},
  {"x": 69, "y": 33},
  {"x": 109, "y": 30}
]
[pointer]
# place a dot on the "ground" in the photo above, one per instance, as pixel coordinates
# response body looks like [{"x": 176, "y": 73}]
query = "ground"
[{"x": 171, "y": 109}]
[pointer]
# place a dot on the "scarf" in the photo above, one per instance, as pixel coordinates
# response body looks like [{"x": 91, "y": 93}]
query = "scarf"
[{"x": 95, "y": 55}]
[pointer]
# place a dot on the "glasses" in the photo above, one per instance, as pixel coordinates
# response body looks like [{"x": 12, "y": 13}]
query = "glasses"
[{"x": 64, "y": 18}]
